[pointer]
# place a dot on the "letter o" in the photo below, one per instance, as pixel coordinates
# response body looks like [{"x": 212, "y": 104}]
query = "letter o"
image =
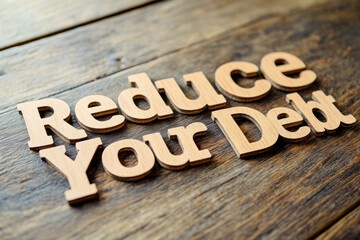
[{"x": 113, "y": 166}]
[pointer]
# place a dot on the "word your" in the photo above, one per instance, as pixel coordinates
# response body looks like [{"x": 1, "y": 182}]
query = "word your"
[{"x": 274, "y": 66}]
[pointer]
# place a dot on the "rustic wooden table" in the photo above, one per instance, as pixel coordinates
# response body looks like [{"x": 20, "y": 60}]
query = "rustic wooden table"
[{"x": 71, "y": 49}]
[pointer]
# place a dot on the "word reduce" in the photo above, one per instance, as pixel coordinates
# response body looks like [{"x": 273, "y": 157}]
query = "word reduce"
[{"x": 274, "y": 66}]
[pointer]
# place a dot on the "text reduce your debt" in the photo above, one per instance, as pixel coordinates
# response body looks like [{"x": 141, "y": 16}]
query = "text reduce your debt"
[{"x": 276, "y": 67}]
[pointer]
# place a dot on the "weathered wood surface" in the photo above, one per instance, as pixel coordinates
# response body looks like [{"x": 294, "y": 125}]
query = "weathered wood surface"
[
  {"x": 295, "y": 191},
  {"x": 23, "y": 21},
  {"x": 347, "y": 228},
  {"x": 48, "y": 66}
]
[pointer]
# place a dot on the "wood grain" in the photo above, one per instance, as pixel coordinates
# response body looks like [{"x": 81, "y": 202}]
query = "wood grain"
[
  {"x": 92, "y": 52},
  {"x": 23, "y": 21},
  {"x": 292, "y": 192},
  {"x": 346, "y": 228}
]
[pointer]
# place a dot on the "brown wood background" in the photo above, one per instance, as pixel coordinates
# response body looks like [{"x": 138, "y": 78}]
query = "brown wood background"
[{"x": 72, "y": 49}]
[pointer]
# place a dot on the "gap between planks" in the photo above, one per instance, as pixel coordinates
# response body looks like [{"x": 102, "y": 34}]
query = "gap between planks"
[
  {"x": 195, "y": 44},
  {"x": 71, "y": 27},
  {"x": 107, "y": 68},
  {"x": 330, "y": 224}
]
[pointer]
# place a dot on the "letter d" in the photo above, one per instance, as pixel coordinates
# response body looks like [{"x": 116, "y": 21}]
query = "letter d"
[{"x": 243, "y": 148}]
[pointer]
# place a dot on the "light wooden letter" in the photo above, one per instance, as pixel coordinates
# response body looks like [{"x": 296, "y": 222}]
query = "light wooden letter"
[
  {"x": 282, "y": 118},
  {"x": 37, "y": 125},
  {"x": 243, "y": 148},
  {"x": 289, "y": 64},
  {"x": 75, "y": 171},
  {"x": 324, "y": 105},
  {"x": 144, "y": 90},
  {"x": 113, "y": 166},
  {"x": 207, "y": 96},
  {"x": 191, "y": 153},
  {"x": 93, "y": 106},
  {"x": 229, "y": 88}
]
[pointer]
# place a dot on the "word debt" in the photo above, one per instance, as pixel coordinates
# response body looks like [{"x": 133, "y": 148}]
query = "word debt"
[{"x": 274, "y": 125}]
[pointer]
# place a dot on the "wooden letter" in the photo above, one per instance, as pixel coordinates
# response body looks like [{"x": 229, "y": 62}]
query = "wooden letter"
[
  {"x": 243, "y": 148},
  {"x": 56, "y": 122},
  {"x": 190, "y": 155},
  {"x": 229, "y": 88},
  {"x": 75, "y": 171},
  {"x": 93, "y": 106},
  {"x": 207, "y": 96},
  {"x": 290, "y": 64},
  {"x": 145, "y": 90},
  {"x": 144, "y": 155},
  {"x": 323, "y": 105},
  {"x": 282, "y": 118}
]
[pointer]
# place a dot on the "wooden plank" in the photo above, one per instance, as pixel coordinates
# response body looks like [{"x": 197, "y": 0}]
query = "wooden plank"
[
  {"x": 347, "y": 228},
  {"x": 92, "y": 52},
  {"x": 23, "y": 21},
  {"x": 293, "y": 191}
]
